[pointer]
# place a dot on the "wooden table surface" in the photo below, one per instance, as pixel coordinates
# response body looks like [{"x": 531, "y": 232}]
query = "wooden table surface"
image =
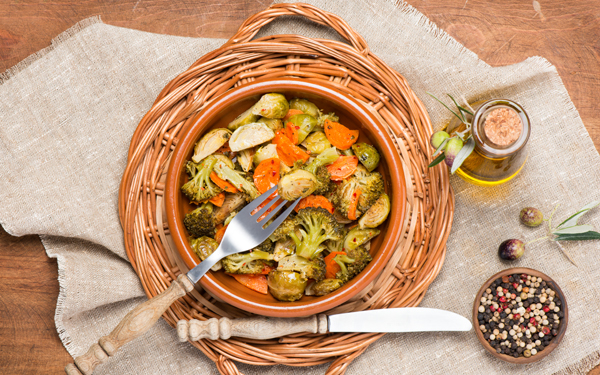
[{"x": 567, "y": 33}]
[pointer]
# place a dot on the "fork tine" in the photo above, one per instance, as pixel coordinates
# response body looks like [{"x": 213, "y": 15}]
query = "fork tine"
[
  {"x": 277, "y": 222},
  {"x": 266, "y": 207},
  {"x": 274, "y": 212},
  {"x": 258, "y": 201}
]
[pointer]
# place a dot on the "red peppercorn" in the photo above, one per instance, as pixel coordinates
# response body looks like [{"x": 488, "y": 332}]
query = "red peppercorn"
[
  {"x": 515, "y": 285},
  {"x": 492, "y": 308},
  {"x": 546, "y": 330},
  {"x": 517, "y": 316},
  {"x": 531, "y": 320},
  {"x": 528, "y": 309},
  {"x": 502, "y": 299},
  {"x": 524, "y": 276},
  {"x": 546, "y": 309},
  {"x": 505, "y": 291}
]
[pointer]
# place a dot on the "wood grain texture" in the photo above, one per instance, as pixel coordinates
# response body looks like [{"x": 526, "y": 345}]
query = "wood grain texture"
[{"x": 567, "y": 33}]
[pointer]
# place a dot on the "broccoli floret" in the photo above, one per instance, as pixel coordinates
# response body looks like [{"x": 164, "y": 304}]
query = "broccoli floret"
[
  {"x": 352, "y": 263},
  {"x": 200, "y": 222},
  {"x": 200, "y": 187},
  {"x": 285, "y": 229},
  {"x": 267, "y": 246},
  {"x": 324, "y": 183},
  {"x": 370, "y": 186},
  {"x": 251, "y": 262},
  {"x": 317, "y": 226},
  {"x": 308, "y": 269},
  {"x": 237, "y": 179}
]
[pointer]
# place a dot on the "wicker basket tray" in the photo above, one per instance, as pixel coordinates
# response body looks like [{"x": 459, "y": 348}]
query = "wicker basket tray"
[{"x": 350, "y": 68}]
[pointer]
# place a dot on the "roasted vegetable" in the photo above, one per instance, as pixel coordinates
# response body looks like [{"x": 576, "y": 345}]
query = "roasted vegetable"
[
  {"x": 303, "y": 123},
  {"x": 308, "y": 268},
  {"x": 211, "y": 142},
  {"x": 306, "y": 107},
  {"x": 339, "y": 135},
  {"x": 367, "y": 155},
  {"x": 265, "y": 152},
  {"x": 200, "y": 222},
  {"x": 233, "y": 176},
  {"x": 297, "y": 184},
  {"x": 318, "y": 168},
  {"x": 251, "y": 262},
  {"x": 273, "y": 105},
  {"x": 317, "y": 226},
  {"x": 250, "y": 135},
  {"x": 244, "y": 119},
  {"x": 283, "y": 248},
  {"x": 287, "y": 228},
  {"x": 286, "y": 285},
  {"x": 232, "y": 203},
  {"x": 376, "y": 215},
  {"x": 273, "y": 123},
  {"x": 357, "y": 237},
  {"x": 245, "y": 158},
  {"x": 324, "y": 117},
  {"x": 357, "y": 193},
  {"x": 326, "y": 286},
  {"x": 203, "y": 247},
  {"x": 200, "y": 187},
  {"x": 316, "y": 142}
]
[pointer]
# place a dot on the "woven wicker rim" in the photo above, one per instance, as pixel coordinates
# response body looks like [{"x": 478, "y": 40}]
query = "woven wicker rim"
[{"x": 352, "y": 69}]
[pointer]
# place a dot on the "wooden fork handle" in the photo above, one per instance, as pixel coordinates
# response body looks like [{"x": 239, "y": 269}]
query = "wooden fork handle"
[
  {"x": 134, "y": 324},
  {"x": 258, "y": 327}
]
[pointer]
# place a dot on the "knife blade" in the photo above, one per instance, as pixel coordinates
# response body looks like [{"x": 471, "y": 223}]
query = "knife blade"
[{"x": 403, "y": 319}]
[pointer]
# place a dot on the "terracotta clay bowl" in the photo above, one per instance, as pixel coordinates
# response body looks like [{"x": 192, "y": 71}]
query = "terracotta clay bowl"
[
  {"x": 562, "y": 327},
  {"x": 353, "y": 115}
]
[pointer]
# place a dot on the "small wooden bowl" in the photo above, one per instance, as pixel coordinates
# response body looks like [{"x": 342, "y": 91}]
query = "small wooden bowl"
[
  {"x": 354, "y": 115},
  {"x": 562, "y": 328}
]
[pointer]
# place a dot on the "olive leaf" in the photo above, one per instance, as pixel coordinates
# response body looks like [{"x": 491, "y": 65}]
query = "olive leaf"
[
  {"x": 573, "y": 230},
  {"x": 463, "y": 154},
  {"x": 572, "y": 220},
  {"x": 461, "y": 118},
  {"x": 441, "y": 148},
  {"x": 590, "y": 235},
  {"x": 437, "y": 160}
]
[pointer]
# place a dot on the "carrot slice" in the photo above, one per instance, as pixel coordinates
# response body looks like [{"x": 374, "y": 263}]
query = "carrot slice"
[
  {"x": 287, "y": 151},
  {"x": 314, "y": 201},
  {"x": 353, "y": 204},
  {"x": 339, "y": 135},
  {"x": 263, "y": 204},
  {"x": 218, "y": 199},
  {"x": 291, "y": 131},
  {"x": 267, "y": 269},
  {"x": 331, "y": 267},
  {"x": 292, "y": 112},
  {"x": 343, "y": 167},
  {"x": 220, "y": 232},
  {"x": 257, "y": 283},
  {"x": 225, "y": 185},
  {"x": 266, "y": 174}
]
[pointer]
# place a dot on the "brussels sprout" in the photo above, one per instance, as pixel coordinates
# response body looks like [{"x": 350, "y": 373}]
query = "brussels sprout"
[
  {"x": 316, "y": 142},
  {"x": 297, "y": 184},
  {"x": 357, "y": 237},
  {"x": 376, "y": 214},
  {"x": 326, "y": 286},
  {"x": 244, "y": 119},
  {"x": 245, "y": 158},
  {"x": 347, "y": 152},
  {"x": 265, "y": 152},
  {"x": 304, "y": 124},
  {"x": 330, "y": 116},
  {"x": 283, "y": 248},
  {"x": 306, "y": 107},
  {"x": 271, "y": 105},
  {"x": 367, "y": 155},
  {"x": 286, "y": 285},
  {"x": 211, "y": 142},
  {"x": 203, "y": 247},
  {"x": 273, "y": 123},
  {"x": 225, "y": 160},
  {"x": 250, "y": 135}
]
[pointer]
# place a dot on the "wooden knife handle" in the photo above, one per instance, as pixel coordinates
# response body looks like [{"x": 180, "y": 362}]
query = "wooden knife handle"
[
  {"x": 133, "y": 325},
  {"x": 258, "y": 327}
]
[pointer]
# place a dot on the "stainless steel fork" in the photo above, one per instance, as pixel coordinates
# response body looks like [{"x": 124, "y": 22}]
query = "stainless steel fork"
[{"x": 244, "y": 232}]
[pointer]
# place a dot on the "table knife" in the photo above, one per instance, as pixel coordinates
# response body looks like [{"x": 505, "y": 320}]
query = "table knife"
[{"x": 404, "y": 319}]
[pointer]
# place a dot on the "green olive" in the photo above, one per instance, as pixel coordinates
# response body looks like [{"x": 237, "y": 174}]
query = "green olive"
[
  {"x": 245, "y": 118},
  {"x": 211, "y": 142},
  {"x": 356, "y": 237},
  {"x": 306, "y": 107},
  {"x": 453, "y": 146},
  {"x": 273, "y": 105},
  {"x": 531, "y": 216},
  {"x": 376, "y": 214},
  {"x": 326, "y": 286},
  {"x": 304, "y": 123},
  {"x": 297, "y": 184},
  {"x": 273, "y": 123},
  {"x": 438, "y": 138},
  {"x": 367, "y": 155},
  {"x": 316, "y": 142},
  {"x": 286, "y": 285}
]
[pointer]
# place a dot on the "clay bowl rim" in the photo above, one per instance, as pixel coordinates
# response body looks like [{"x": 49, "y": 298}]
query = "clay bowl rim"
[
  {"x": 205, "y": 119},
  {"x": 555, "y": 341}
]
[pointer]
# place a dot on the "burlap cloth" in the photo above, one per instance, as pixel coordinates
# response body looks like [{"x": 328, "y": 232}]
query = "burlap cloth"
[{"x": 67, "y": 115}]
